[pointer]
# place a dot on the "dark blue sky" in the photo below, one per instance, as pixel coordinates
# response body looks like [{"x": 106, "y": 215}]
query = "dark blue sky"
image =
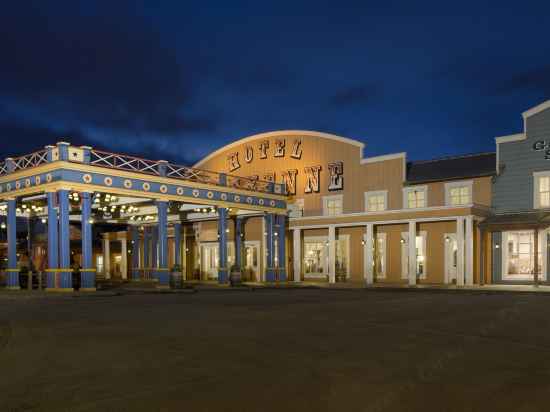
[{"x": 175, "y": 80}]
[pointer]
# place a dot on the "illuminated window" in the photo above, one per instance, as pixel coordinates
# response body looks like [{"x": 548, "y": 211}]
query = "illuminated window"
[
  {"x": 458, "y": 193},
  {"x": 542, "y": 190},
  {"x": 415, "y": 197},
  {"x": 518, "y": 255},
  {"x": 376, "y": 201},
  {"x": 333, "y": 205}
]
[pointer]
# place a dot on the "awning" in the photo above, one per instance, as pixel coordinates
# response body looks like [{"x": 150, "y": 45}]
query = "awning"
[{"x": 516, "y": 221}]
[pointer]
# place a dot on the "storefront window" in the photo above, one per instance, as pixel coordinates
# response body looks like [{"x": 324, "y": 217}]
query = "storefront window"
[
  {"x": 380, "y": 255},
  {"x": 519, "y": 255},
  {"x": 314, "y": 256}
]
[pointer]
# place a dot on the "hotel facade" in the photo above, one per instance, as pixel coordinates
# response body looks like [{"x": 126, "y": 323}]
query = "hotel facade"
[{"x": 284, "y": 206}]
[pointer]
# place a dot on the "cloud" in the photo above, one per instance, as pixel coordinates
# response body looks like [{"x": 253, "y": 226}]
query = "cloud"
[
  {"x": 73, "y": 71},
  {"x": 355, "y": 96}
]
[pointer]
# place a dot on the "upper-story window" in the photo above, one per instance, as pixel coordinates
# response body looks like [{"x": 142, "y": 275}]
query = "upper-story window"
[
  {"x": 415, "y": 197},
  {"x": 541, "y": 190},
  {"x": 333, "y": 205},
  {"x": 458, "y": 193},
  {"x": 376, "y": 201},
  {"x": 296, "y": 209}
]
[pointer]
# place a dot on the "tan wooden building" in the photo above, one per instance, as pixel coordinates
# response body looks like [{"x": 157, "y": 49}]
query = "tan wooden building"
[{"x": 351, "y": 216}]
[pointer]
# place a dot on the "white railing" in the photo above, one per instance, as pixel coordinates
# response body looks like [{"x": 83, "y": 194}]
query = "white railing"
[
  {"x": 151, "y": 167},
  {"x": 31, "y": 160},
  {"x": 118, "y": 161}
]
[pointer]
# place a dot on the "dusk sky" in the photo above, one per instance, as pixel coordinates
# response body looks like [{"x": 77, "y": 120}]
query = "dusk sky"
[{"x": 176, "y": 80}]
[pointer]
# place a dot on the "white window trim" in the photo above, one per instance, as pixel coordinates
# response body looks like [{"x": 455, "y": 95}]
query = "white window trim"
[
  {"x": 296, "y": 209},
  {"x": 544, "y": 250},
  {"x": 382, "y": 235},
  {"x": 332, "y": 197},
  {"x": 536, "y": 194},
  {"x": 405, "y": 268},
  {"x": 376, "y": 193},
  {"x": 461, "y": 183},
  {"x": 408, "y": 189}
]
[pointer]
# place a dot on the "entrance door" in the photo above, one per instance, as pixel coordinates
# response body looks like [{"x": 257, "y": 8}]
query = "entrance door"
[
  {"x": 209, "y": 261},
  {"x": 451, "y": 253},
  {"x": 251, "y": 253}
]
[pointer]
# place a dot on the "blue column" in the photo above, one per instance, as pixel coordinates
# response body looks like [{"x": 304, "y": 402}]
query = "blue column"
[
  {"x": 282, "y": 243},
  {"x": 177, "y": 244},
  {"x": 87, "y": 277},
  {"x": 65, "y": 270},
  {"x": 12, "y": 270},
  {"x": 135, "y": 252},
  {"x": 269, "y": 270},
  {"x": 53, "y": 242},
  {"x": 154, "y": 247},
  {"x": 239, "y": 235},
  {"x": 146, "y": 262},
  {"x": 162, "y": 271},
  {"x": 223, "y": 270},
  {"x": 63, "y": 150}
]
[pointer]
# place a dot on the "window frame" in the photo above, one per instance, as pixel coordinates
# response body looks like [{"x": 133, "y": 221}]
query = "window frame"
[
  {"x": 328, "y": 198},
  {"x": 459, "y": 184},
  {"x": 373, "y": 193},
  {"x": 415, "y": 188},
  {"x": 536, "y": 192}
]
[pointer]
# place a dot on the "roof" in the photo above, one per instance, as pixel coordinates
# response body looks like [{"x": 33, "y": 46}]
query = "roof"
[
  {"x": 523, "y": 220},
  {"x": 451, "y": 168}
]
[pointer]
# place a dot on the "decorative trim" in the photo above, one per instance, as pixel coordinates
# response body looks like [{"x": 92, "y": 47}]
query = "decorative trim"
[{"x": 537, "y": 109}]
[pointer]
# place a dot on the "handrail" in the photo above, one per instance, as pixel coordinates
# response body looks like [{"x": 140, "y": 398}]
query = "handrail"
[
  {"x": 151, "y": 167},
  {"x": 30, "y": 160}
]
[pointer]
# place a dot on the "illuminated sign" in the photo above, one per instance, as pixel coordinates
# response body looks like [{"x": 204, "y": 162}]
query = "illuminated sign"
[
  {"x": 280, "y": 149},
  {"x": 542, "y": 146}
]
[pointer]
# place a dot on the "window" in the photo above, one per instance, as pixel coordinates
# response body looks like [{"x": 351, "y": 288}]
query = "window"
[
  {"x": 332, "y": 205},
  {"x": 415, "y": 197},
  {"x": 518, "y": 261},
  {"x": 458, "y": 193},
  {"x": 420, "y": 255},
  {"x": 296, "y": 209},
  {"x": 380, "y": 256},
  {"x": 376, "y": 201},
  {"x": 541, "y": 190}
]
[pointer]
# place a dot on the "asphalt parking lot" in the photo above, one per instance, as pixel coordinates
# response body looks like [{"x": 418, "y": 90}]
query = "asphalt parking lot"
[{"x": 276, "y": 350}]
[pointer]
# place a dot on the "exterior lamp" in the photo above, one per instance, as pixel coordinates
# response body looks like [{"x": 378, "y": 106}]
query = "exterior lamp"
[
  {"x": 402, "y": 240},
  {"x": 497, "y": 246},
  {"x": 3, "y": 225},
  {"x": 363, "y": 242},
  {"x": 90, "y": 221},
  {"x": 226, "y": 230},
  {"x": 44, "y": 220},
  {"x": 447, "y": 239}
]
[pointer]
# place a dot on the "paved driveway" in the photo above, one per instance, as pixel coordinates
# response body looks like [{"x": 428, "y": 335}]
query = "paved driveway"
[{"x": 270, "y": 350}]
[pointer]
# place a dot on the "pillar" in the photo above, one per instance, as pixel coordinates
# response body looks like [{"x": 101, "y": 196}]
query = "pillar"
[
  {"x": 163, "y": 275},
  {"x": 87, "y": 273},
  {"x": 239, "y": 235},
  {"x": 12, "y": 270},
  {"x": 177, "y": 245},
  {"x": 412, "y": 253},
  {"x": 106, "y": 256},
  {"x": 297, "y": 254},
  {"x": 222, "y": 240},
  {"x": 154, "y": 247},
  {"x": 332, "y": 254},
  {"x": 460, "y": 251},
  {"x": 469, "y": 251},
  {"x": 269, "y": 270},
  {"x": 135, "y": 251},
  {"x": 65, "y": 270},
  {"x": 369, "y": 255},
  {"x": 53, "y": 242},
  {"x": 124, "y": 258},
  {"x": 146, "y": 251},
  {"x": 282, "y": 247}
]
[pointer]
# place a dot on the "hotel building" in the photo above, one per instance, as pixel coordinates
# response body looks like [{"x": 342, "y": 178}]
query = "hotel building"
[{"x": 293, "y": 205}]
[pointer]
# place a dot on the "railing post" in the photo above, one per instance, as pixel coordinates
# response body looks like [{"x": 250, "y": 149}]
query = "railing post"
[
  {"x": 10, "y": 165},
  {"x": 162, "y": 166},
  {"x": 49, "y": 155},
  {"x": 63, "y": 148},
  {"x": 86, "y": 154}
]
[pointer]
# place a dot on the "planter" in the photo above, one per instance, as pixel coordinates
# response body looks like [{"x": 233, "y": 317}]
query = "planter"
[
  {"x": 176, "y": 280},
  {"x": 235, "y": 277}
]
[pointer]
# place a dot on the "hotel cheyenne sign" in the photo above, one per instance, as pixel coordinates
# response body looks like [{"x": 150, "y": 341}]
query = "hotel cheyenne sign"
[{"x": 262, "y": 151}]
